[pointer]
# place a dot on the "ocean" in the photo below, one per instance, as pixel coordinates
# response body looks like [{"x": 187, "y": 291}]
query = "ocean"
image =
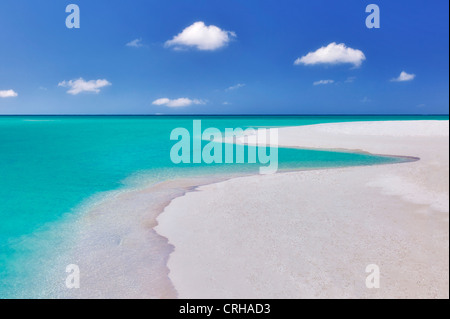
[{"x": 54, "y": 169}]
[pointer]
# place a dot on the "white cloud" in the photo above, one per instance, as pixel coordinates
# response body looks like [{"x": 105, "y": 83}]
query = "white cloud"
[
  {"x": 333, "y": 54},
  {"x": 202, "y": 37},
  {"x": 8, "y": 93},
  {"x": 322, "y": 82},
  {"x": 80, "y": 85},
  {"x": 181, "y": 102},
  {"x": 136, "y": 43},
  {"x": 403, "y": 77},
  {"x": 235, "y": 87}
]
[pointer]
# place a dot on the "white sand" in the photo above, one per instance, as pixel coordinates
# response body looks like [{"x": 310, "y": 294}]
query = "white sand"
[{"x": 312, "y": 233}]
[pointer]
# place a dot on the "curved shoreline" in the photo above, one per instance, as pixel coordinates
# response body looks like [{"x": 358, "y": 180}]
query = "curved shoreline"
[
  {"x": 102, "y": 242},
  {"x": 113, "y": 230},
  {"x": 101, "y": 216},
  {"x": 183, "y": 284},
  {"x": 145, "y": 213}
]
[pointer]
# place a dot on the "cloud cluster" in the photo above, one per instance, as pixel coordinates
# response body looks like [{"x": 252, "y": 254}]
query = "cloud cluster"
[
  {"x": 8, "y": 93},
  {"x": 201, "y": 37},
  {"x": 136, "y": 43},
  {"x": 323, "y": 82},
  {"x": 403, "y": 77},
  {"x": 333, "y": 54},
  {"x": 180, "y": 102},
  {"x": 80, "y": 85}
]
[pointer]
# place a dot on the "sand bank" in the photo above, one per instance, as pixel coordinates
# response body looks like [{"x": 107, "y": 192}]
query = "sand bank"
[{"x": 312, "y": 233}]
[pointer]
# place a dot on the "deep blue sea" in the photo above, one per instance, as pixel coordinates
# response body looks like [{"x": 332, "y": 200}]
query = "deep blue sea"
[{"x": 51, "y": 165}]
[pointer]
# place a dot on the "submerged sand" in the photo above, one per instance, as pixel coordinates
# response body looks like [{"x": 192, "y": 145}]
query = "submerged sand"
[{"x": 312, "y": 233}]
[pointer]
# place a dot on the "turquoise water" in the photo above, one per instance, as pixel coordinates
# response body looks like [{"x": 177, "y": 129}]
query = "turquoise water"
[{"x": 51, "y": 165}]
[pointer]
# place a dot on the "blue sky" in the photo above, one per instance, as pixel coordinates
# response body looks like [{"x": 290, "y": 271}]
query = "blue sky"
[{"x": 239, "y": 61}]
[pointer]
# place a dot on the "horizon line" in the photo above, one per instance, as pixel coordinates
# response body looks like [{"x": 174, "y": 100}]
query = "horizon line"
[{"x": 155, "y": 115}]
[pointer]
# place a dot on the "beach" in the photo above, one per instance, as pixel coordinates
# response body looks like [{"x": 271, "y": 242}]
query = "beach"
[
  {"x": 311, "y": 234},
  {"x": 139, "y": 226}
]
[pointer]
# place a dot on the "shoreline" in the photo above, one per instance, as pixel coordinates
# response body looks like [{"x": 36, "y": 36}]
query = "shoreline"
[
  {"x": 147, "y": 215},
  {"x": 117, "y": 228},
  {"x": 166, "y": 226},
  {"x": 110, "y": 233}
]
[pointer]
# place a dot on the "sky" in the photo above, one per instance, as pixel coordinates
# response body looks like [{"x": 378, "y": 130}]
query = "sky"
[{"x": 224, "y": 57}]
